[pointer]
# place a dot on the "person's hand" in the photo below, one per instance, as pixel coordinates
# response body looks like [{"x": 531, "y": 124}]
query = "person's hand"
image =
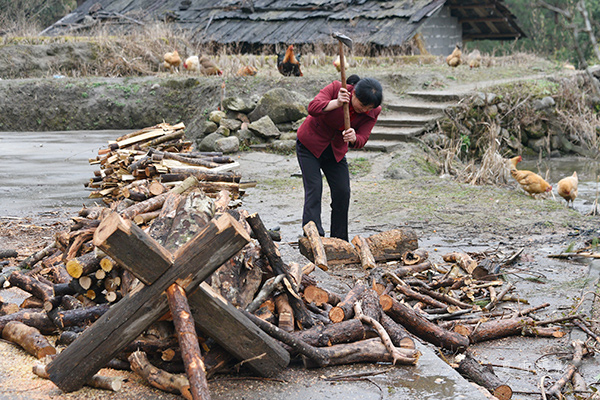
[
  {"x": 349, "y": 135},
  {"x": 343, "y": 97}
]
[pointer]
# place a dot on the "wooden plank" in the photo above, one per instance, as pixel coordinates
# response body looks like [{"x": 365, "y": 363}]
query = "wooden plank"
[
  {"x": 141, "y": 138},
  {"x": 236, "y": 333},
  {"x": 221, "y": 239}
]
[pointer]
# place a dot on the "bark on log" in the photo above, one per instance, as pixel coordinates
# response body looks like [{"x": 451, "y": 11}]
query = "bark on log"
[
  {"x": 364, "y": 351},
  {"x": 412, "y": 269},
  {"x": 556, "y": 389},
  {"x": 344, "y": 310},
  {"x": 337, "y": 251},
  {"x": 188, "y": 340},
  {"x": 97, "y": 381},
  {"x": 77, "y": 317},
  {"x": 31, "y": 285},
  {"x": 484, "y": 376},
  {"x": 348, "y": 331},
  {"x": 36, "y": 318},
  {"x": 8, "y": 253},
  {"x": 366, "y": 257},
  {"x": 158, "y": 378},
  {"x": 28, "y": 338},
  {"x": 314, "y": 239},
  {"x": 398, "y": 333},
  {"x": 37, "y": 256},
  {"x": 425, "y": 329},
  {"x": 497, "y": 329}
]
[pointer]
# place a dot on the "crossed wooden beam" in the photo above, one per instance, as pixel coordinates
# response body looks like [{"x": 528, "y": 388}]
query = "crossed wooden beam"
[{"x": 158, "y": 269}]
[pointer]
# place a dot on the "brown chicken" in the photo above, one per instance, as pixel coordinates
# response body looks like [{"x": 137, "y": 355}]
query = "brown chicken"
[
  {"x": 247, "y": 70},
  {"x": 531, "y": 182},
  {"x": 567, "y": 188},
  {"x": 172, "y": 61},
  {"x": 453, "y": 59},
  {"x": 289, "y": 64},
  {"x": 208, "y": 67}
]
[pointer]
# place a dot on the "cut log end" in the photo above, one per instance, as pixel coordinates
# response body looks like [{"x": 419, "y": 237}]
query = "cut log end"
[
  {"x": 503, "y": 392},
  {"x": 336, "y": 315}
]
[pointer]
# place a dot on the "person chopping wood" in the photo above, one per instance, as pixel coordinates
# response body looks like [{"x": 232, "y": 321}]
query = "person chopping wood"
[{"x": 323, "y": 142}]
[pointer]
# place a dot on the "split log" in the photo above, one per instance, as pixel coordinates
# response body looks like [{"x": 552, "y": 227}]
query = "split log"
[
  {"x": 417, "y": 256},
  {"x": 284, "y": 312},
  {"x": 76, "y": 241},
  {"x": 188, "y": 340},
  {"x": 31, "y": 285},
  {"x": 484, "y": 376},
  {"x": 314, "y": 239},
  {"x": 497, "y": 329},
  {"x": 344, "y": 309},
  {"x": 97, "y": 381},
  {"x": 158, "y": 378},
  {"x": 465, "y": 262},
  {"x": 424, "y": 329},
  {"x": 32, "y": 302},
  {"x": 366, "y": 257},
  {"x": 8, "y": 308},
  {"x": 391, "y": 245}
]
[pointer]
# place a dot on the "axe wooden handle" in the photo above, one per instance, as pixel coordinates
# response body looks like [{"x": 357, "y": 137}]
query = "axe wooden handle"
[{"x": 343, "y": 71}]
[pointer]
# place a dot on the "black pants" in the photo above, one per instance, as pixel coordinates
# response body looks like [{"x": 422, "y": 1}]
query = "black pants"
[{"x": 338, "y": 178}]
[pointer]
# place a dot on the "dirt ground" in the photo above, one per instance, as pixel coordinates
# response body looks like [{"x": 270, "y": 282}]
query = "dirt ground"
[{"x": 494, "y": 222}]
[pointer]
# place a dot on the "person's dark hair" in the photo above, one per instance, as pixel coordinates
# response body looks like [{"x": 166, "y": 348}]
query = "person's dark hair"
[
  {"x": 352, "y": 79},
  {"x": 369, "y": 92}
]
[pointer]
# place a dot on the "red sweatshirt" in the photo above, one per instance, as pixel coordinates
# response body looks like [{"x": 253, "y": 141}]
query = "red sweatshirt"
[{"x": 323, "y": 128}]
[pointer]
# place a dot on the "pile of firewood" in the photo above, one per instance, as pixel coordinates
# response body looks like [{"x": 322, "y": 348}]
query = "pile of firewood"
[
  {"x": 146, "y": 163},
  {"x": 136, "y": 281}
]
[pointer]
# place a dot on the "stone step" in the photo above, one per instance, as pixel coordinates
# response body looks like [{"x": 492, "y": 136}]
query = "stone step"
[
  {"x": 404, "y": 120},
  {"x": 395, "y": 133},
  {"x": 385, "y": 146},
  {"x": 419, "y": 107},
  {"x": 437, "y": 96}
]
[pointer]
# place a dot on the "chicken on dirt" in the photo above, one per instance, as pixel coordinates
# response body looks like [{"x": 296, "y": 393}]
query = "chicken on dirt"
[
  {"x": 453, "y": 59},
  {"x": 531, "y": 182},
  {"x": 567, "y": 188}
]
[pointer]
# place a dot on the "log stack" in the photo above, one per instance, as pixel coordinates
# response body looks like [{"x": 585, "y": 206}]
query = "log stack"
[{"x": 146, "y": 163}]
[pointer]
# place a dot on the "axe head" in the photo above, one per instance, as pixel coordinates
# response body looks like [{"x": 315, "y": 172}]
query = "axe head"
[{"x": 343, "y": 38}]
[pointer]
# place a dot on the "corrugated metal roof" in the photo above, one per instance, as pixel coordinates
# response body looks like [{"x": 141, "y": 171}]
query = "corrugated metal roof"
[{"x": 371, "y": 22}]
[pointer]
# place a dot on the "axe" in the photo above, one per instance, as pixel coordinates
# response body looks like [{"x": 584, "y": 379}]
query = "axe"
[{"x": 344, "y": 40}]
